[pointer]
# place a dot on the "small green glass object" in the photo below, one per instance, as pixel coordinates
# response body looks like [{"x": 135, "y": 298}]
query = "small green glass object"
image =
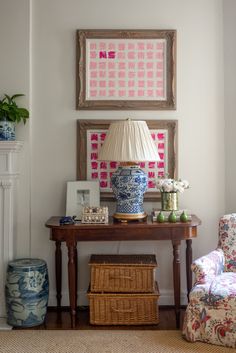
[
  {"x": 184, "y": 217},
  {"x": 160, "y": 217},
  {"x": 172, "y": 217}
]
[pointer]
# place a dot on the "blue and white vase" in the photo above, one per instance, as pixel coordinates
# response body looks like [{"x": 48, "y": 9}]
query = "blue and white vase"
[
  {"x": 26, "y": 292},
  {"x": 7, "y": 130},
  {"x": 129, "y": 184}
]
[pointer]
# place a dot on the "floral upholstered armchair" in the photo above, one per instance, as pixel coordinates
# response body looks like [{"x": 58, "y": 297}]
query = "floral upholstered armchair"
[{"x": 211, "y": 313}]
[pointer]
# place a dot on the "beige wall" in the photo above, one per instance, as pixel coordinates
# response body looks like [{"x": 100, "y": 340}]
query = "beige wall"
[
  {"x": 230, "y": 94},
  {"x": 53, "y": 118}
]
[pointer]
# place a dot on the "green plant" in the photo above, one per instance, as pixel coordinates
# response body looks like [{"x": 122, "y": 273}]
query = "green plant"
[{"x": 10, "y": 111}]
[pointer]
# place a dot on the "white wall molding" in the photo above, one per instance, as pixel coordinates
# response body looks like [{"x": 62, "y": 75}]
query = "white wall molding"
[{"x": 9, "y": 172}]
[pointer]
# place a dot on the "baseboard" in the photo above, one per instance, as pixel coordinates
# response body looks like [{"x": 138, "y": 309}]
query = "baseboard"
[{"x": 3, "y": 324}]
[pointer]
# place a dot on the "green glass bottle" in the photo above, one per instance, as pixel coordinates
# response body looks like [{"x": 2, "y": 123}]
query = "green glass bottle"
[
  {"x": 160, "y": 217},
  {"x": 172, "y": 217}
]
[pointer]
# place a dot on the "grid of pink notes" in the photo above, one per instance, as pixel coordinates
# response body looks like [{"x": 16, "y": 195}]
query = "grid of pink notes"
[
  {"x": 102, "y": 171},
  {"x": 126, "y": 69}
]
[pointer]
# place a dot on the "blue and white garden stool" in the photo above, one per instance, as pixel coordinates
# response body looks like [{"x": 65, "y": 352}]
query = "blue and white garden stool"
[{"x": 26, "y": 291}]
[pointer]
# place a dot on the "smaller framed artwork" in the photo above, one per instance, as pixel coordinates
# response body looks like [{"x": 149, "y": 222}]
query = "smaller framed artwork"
[
  {"x": 126, "y": 69},
  {"x": 81, "y": 194},
  {"x": 92, "y": 133}
]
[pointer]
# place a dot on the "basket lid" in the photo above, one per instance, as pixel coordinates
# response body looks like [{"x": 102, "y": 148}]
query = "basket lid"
[{"x": 127, "y": 259}]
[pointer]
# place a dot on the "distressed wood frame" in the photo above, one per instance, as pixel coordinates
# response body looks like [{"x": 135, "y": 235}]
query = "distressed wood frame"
[
  {"x": 170, "y": 69},
  {"x": 83, "y": 125}
]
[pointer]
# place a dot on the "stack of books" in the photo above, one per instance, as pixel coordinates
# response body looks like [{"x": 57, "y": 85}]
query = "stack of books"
[{"x": 166, "y": 214}]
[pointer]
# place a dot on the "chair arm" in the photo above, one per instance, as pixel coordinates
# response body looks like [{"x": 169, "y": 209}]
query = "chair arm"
[{"x": 209, "y": 266}]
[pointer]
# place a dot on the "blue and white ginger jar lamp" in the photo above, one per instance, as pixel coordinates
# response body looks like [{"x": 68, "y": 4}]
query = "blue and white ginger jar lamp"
[{"x": 129, "y": 142}]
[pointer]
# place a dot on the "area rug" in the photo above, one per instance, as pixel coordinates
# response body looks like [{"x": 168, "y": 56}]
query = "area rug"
[{"x": 100, "y": 341}]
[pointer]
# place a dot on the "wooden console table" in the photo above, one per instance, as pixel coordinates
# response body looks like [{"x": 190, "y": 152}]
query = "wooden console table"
[{"x": 115, "y": 231}]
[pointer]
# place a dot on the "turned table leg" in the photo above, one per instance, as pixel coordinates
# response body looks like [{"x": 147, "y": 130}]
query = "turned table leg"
[
  {"x": 189, "y": 258},
  {"x": 176, "y": 278},
  {"x": 58, "y": 265},
  {"x": 72, "y": 279}
]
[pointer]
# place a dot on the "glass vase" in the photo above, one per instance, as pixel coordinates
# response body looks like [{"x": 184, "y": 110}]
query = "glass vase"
[{"x": 169, "y": 201}]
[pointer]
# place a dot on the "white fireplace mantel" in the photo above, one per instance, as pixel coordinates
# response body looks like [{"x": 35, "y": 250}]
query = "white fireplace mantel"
[{"x": 9, "y": 173}]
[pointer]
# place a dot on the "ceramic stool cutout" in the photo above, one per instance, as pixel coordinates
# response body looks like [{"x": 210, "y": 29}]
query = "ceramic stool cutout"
[{"x": 26, "y": 292}]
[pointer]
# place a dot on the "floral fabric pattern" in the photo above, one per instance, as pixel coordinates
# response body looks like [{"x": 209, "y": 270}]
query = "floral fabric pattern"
[{"x": 211, "y": 313}]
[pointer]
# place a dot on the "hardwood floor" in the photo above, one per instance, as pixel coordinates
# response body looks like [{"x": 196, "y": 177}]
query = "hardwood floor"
[{"x": 61, "y": 321}]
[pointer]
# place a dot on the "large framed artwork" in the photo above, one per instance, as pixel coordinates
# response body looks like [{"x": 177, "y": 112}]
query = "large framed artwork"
[
  {"x": 126, "y": 69},
  {"x": 91, "y": 135}
]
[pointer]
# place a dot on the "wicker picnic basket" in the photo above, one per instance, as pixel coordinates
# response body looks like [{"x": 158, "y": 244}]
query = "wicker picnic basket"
[
  {"x": 124, "y": 308},
  {"x": 123, "y": 273}
]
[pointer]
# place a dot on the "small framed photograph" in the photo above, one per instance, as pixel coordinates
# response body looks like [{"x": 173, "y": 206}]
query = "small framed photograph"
[
  {"x": 81, "y": 194},
  {"x": 126, "y": 69}
]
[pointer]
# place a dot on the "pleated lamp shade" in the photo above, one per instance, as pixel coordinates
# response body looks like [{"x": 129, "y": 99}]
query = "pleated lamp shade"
[{"x": 128, "y": 141}]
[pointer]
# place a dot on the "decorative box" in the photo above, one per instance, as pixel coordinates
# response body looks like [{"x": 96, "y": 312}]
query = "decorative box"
[
  {"x": 123, "y": 273},
  {"x": 95, "y": 215},
  {"x": 124, "y": 308}
]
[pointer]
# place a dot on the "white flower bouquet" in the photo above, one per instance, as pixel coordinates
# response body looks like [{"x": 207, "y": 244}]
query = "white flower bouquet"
[{"x": 171, "y": 185}]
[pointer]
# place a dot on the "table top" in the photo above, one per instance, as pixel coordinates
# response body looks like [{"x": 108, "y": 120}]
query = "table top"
[
  {"x": 54, "y": 222},
  {"x": 115, "y": 230}
]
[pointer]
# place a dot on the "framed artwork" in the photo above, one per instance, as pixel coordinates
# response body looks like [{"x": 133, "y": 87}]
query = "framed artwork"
[
  {"x": 81, "y": 194},
  {"x": 91, "y": 135},
  {"x": 126, "y": 69}
]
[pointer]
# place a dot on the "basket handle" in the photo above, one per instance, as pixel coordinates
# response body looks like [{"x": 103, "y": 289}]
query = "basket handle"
[
  {"x": 122, "y": 310},
  {"x": 120, "y": 277}
]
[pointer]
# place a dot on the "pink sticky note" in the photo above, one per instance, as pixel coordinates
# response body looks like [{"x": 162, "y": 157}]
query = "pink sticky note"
[
  {"x": 94, "y": 137},
  {"x": 151, "y": 174},
  {"x": 113, "y": 164},
  {"x": 102, "y": 83},
  {"x": 121, "y": 46},
  {"x": 94, "y": 165},
  {"x": 103, "y": 136},
  {"x": 141, "y": 55},
  {"x": 103, "y": 165},
  {"x": 93, "y": 54},
  {"x": 151, "y": 165},
  {"x": 121, "y": 93},
  {"x": 121, "y": 83},
  {"x": 111, "y": 93},
  {"x": 93, "y": 46},
  {"x": 111, "y": 74},
  {"x": 160, "y": 164},
  {"x": 93, "y": 83},
  {"x": 141, "y": 93},
  {"x": 131, "y": 83},
  {"x": 160, "y": 136},
  {"x": 141, "y": 83},
  {"x": 93, "y": 93},
  {"x": 151, "y": 184},
  {"x": 92, "y": 65},
  {"x": 102, "y": 45},
  {"x": 121, "y": 74},
  {"x": 94, "y": 146},
  {"x": 93, "y": 74},
  {"x": 94, "y": 155},
  {"x": 150, "y": 83},
  {"x": 121, "y": 55},
  {"x": 94, "y": 175},
  {"x": 103, "y": 175},
  {"x": 141, "y": 46},
  {"x": 131, "y": 93},
  {"x": 150, "y": 55}
]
